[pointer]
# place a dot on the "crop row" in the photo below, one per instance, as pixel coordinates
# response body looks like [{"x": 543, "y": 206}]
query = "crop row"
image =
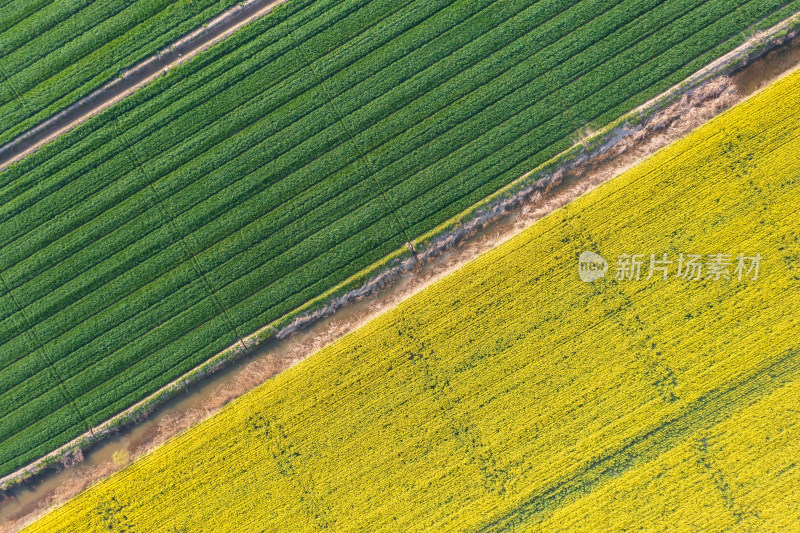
[
  {"x": 665, "y": 68},
  {"x": 272, "y": 199}
]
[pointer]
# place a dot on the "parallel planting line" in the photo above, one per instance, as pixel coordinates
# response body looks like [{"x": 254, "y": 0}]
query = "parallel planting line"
[
  {"x": 518, "y": 112},
  {"x": 143, "y": 362},
  {"x": 13, "y": 89},
  {"x": 60, "y": 56},
  {"x": 179, "y": 148},
  {"x": 182, "y": 238},
  {"x": 357, "y": 145},
  {"x": 652, "y": 83},
  {"x": 549, "y": 81}
]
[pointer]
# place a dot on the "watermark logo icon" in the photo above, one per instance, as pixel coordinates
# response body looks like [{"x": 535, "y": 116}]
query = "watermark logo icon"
[{"x": 591, "y": 266}]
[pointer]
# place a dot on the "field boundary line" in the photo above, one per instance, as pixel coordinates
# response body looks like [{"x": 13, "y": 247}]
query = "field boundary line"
[
  {"x": 612, "y": 448},
  {"x": 166, "y": 343},
  {"x": 148, "y": 355},
  {"x": 187, "y": 259}
]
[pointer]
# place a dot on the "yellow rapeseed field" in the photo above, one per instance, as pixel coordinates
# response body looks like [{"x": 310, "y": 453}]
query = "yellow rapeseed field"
[{"x": 512, "y": 396}]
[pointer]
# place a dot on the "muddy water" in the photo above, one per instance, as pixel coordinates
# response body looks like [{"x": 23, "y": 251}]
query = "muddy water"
[
  {"x": 764, "y": 71},
  {"x": 23, "y": 504}
]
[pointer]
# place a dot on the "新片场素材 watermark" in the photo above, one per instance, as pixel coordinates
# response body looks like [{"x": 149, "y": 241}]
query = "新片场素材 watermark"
[{"x": 694, "y": 267}]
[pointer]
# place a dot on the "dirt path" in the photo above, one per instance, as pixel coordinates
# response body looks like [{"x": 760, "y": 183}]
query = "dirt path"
[{"x": 187, "y": 47}]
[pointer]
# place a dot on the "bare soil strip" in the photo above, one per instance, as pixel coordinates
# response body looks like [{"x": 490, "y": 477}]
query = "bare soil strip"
[
  {"x": 214, "y": 31},
  {"x": 722, "y": 85}
]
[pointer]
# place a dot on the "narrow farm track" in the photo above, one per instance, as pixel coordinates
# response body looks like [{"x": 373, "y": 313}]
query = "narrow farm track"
[
  {"x": 184, "y": 49},
  {"x": 57, "y": 52}
]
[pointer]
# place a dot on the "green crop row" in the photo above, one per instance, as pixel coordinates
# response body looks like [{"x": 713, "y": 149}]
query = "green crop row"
[{"x": 640, "y": 78}]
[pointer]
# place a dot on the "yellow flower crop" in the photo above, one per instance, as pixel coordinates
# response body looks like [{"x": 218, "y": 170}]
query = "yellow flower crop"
[
  {"x": 513, "y": 396},
  {"x": 739, "y": 475}
]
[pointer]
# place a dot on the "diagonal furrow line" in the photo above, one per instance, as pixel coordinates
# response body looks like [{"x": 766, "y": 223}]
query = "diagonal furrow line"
[
  {"x": 69, "y": 399},
  {"x": 13, "y": 88},
  {"x": 370, "y": 167},
  {"x": 187, "y": 250},
  {"x": 546, "y": 74},
  {"x": 704, "y": 413},
  {"x": 746, "y": 18}
]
